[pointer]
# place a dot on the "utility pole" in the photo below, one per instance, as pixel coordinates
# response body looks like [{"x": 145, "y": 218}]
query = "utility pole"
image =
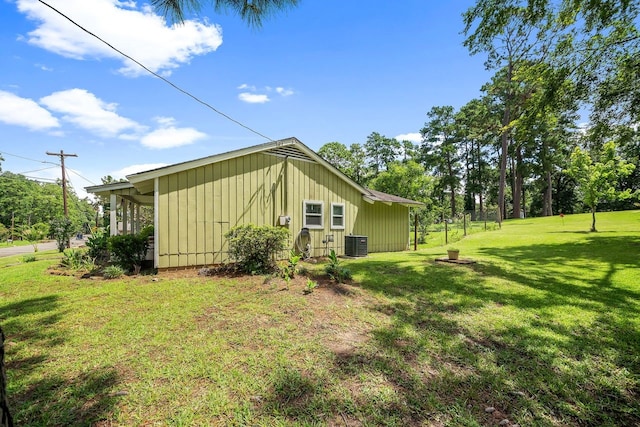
[{"x": 62, "y": 155}]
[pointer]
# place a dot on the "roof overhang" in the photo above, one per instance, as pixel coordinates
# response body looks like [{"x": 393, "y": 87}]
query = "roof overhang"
[
  {"x": 141, "y": 185},
  {"x": 290, "y": 148},
  {"x": 124, "y": 190}
]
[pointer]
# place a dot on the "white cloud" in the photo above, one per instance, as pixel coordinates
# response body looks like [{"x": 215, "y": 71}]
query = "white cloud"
[
  {"x": 246, "y": 86},
  {"x": 18, "y": 111},
  {"x": 165, "y": 121},
  {"x": 122, "y": 173},
  {"x": 284, "y": 92},
  {"x": 85, "y": 110},
  {"x": 136, "y": 31},
  {"x": 413, "y": 137},
  {"x": 169, "y": 136},
  {"x": 253, "y": 98}
]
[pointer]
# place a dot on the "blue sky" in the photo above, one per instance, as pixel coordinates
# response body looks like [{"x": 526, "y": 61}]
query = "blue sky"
[{"x": 324, "y": 71}]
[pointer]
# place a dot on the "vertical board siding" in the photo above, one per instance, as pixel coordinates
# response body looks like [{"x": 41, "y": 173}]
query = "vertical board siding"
[
  {"x": 208, "y": 217},
  {"x": 201, "y": 201},
  {"x": 198, "y": 206},
  {"x": 225, "y": 184},
  {"x": 384, "y": 234}
]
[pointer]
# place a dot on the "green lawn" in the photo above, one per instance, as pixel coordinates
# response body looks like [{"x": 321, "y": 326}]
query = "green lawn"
[{"x": 544, "y": 328}]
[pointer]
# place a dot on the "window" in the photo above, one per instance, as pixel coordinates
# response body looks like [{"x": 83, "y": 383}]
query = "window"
[
  {"x": 313, "y": 212},
  {"x": 337, "y": 215}
]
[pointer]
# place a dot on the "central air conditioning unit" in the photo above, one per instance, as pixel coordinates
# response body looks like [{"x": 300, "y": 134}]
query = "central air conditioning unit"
[{"x": 355, "y": 246}]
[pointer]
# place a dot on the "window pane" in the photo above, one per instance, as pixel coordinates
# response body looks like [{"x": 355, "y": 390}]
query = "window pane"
[
  {"x": 314, "y": 208},
  {"x": 337, "y": 221},
  {"x": 314, "y": 220},
  {"x": 338, "y": 209}
]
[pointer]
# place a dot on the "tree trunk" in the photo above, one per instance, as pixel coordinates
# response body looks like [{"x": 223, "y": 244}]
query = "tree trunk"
[
  {"x": 506, "y": 119},
  {"x": 548, "y": 199},
  {"x": 503, "y": 172},
  {"x": 480, "y": 188},
  {"x": 546, "y": 173},
  {"x": 517, "y": 184},
  {"x": 593, "y": 217},
  {"x": 5, "y": 415}
]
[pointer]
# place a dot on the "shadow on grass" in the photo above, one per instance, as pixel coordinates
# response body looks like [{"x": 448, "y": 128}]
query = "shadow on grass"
[
  {"x": 527, "y": 265},
  {"x": 462, "y": 339},
  {"x": 37, "y": 394}
]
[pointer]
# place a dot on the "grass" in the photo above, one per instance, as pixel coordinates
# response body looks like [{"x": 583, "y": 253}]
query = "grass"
[{"x": 544, "y": 328}]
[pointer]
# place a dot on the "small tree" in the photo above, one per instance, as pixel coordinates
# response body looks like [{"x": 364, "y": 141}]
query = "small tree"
[
  {"x": 255, "y": 248},
  {"x": 597, "y": 179},
  {"x": 61, "y": 229},
  {"x": 36, "y": 233}
]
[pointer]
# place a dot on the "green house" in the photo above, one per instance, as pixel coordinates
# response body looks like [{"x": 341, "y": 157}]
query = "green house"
[{"x": 282, "y": 183}]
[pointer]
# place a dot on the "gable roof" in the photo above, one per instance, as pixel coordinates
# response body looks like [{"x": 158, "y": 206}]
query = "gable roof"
[{"x": 285, "y": 148}]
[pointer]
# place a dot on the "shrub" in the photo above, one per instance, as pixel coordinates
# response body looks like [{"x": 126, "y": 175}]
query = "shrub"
[
  {"x": 254, "y": 248},
  {"x": 36, "y": 233},
  {"x": 75, "y": 259},
  {"x": 62, "y": 230},
  {"x": 112, "y": 272},
  {"x": 335, "y": 270},
  {"x": 128, "y": 250},
  {"x": 147, "y": 231},
  {"x": 290, "y": 269},
  {"x": 98, "y": 246},
  {"x": 28, "y": 258},
  {"x": 311, "y": 285}
]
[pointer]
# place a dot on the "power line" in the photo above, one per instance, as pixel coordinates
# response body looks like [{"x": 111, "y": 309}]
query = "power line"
[
  {"x": 37, "y": 170},
  {"x": 86, "y": 179},
  {"x": 35, "y": 178},
  {"x": 156, "y": 74},
  {"x": 27, "y": 158}
]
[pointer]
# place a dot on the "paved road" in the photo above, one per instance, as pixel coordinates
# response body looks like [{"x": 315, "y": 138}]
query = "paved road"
[{"x": 27, "y": 249}]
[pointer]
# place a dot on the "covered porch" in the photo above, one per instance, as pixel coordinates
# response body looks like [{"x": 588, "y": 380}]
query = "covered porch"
[{"x": 125, "y": 204}]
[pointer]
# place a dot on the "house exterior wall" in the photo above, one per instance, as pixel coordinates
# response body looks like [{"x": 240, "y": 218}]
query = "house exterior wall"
[{"x": 198, "y": 206}]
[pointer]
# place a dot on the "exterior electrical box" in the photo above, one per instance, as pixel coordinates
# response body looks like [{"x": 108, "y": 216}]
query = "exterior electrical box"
[{"x": 355, "y": 246}]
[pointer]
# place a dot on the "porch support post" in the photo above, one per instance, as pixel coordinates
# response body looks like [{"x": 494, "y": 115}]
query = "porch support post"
[
  {"x": 113, "y": 215},
  {"x": 125, "y": 215},
  {"x": 131, "y": 218},
  {"x": 138, "y": 222},
  {"x": 156, "y": 241}
]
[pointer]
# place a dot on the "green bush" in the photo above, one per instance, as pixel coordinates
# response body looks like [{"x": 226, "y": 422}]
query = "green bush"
[
  {"x": 112, "y": 272},
  {"x": 35, "y": 233},
  {"x": 289, "y": 270},
  {"x": 75, "y": 259},
  {"x": 28, "y": 258},
  {"x": 254, "y": 248},
  {"x": 147, "y": 231},
  {"x": 335, "y": 270},
  {"x": 128, "y": 250},
  {"x": 98, "y": 246}
]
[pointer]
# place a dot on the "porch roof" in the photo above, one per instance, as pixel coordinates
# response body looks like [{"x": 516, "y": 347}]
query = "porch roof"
[{"x": 125, "y": 190}]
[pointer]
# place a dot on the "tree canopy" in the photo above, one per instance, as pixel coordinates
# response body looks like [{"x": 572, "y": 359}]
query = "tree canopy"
[{"x": 251, "y": 11}]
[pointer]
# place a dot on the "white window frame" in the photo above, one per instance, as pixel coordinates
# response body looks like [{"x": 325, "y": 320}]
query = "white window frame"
[
  {"x": 333, "y": 225},
  {"x": 304, "y": 213}
]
